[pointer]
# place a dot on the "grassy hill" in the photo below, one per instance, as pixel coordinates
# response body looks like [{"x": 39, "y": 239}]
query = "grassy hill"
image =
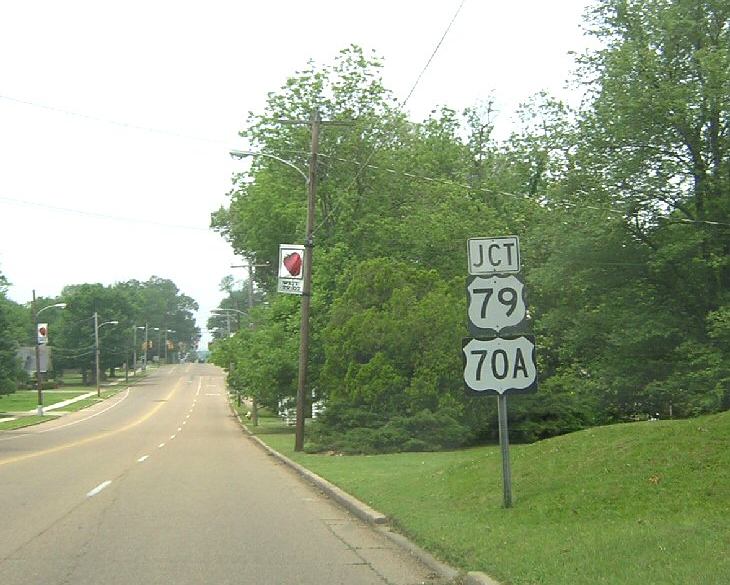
[{"x": 635, "y": 503}]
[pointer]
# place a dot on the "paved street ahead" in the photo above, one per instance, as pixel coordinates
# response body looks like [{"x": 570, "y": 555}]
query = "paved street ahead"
[{"x": 158, "y": 485}]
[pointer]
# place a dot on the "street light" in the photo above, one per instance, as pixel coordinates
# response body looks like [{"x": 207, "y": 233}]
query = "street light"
[
  {"x": 228, "y": 322},
  {"x": 159, "y": 342},
  {"x": 310, "y": 180},
  {"x": 228, "y": 316},
  {"x": 250, "y": 267},
  {"x": 166, "y": 332},
  {"x": 38, "y": 376},
  {"x": 98, "y": 326},
  {"x": 134, "y": 354}
]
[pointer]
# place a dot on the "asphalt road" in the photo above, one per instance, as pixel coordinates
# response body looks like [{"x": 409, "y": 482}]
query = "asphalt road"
[{"x": 159, "y": 485}]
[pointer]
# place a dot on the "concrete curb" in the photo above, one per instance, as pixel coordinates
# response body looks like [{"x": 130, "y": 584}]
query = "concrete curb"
[{"x": 369, "y": 515}]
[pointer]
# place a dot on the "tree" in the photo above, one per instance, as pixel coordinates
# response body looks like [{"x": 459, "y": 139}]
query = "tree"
[
  {"x": 10, "y": 331},
  {"x": 76, "y": 339},
  {"x": 159, "y": 303},
  {"x": 654, "y": 150}
]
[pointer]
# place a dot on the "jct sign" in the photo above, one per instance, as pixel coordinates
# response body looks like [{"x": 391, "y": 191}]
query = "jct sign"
[{"x": 493, "y": 255}]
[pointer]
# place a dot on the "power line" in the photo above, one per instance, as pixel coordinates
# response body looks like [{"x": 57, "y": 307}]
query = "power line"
[
  {"x": 399, "y": 109},
  {"x": 521, "y": 197},
  {"x": 433, "y": 54},
  {"x": 110, "y": 121},
  {"x": 118, "y": 218}
]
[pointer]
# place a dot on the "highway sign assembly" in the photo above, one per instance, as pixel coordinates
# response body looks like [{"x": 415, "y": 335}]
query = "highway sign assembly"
[{"x": 500, "y": 358}]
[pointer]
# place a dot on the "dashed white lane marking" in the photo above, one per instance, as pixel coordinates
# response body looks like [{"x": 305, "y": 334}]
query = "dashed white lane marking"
[
  {"x": 98, "y": 488},
  {"x": 185, "y": 422},
  {"x": 141, "y": 459},
  {"x": 179, "y": 429},
  {"x": 161, "y": 445},
  {"x": 172, "y": 437}
]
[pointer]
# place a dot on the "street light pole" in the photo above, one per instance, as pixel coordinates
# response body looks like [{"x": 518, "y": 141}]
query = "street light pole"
[
  {"x": 144, "y": 364},
  {"x": 250, "y": 267},
  {"x": 98, "y": 326},
  {"x": 134, "y": 362},
  {"x": 38, "y": 375},
  {"x": 166, "y": 332},
  {"x": 228, "y": 323},
  {"x": 96, "y": 345},
  {"x": 38, "y": 378}
]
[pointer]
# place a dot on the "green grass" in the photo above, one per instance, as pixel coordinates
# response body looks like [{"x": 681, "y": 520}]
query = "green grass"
[
  {"x": 24, "y": 400},
  {"x": 638, "y": 503},
  {"x": 25, "y": 421}
]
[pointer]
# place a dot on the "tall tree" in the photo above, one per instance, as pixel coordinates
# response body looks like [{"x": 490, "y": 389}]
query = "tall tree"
[{"x": 10, "y": 332}]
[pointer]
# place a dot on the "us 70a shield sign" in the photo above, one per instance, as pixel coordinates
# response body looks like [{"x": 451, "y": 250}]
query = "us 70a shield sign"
[{"x": 503, "y": 365}]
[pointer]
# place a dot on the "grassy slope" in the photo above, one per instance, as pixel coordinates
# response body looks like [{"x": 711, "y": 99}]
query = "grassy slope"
[{"x": 635, "y": 503}]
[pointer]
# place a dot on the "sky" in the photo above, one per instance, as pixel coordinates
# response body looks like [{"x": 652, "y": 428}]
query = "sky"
[{"x": 116, "y": 118}]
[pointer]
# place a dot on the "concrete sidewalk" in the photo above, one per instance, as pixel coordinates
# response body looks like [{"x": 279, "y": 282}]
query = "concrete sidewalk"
[
  {"x": 63, "y": 403},
  {"x": 378, "y": 520}
]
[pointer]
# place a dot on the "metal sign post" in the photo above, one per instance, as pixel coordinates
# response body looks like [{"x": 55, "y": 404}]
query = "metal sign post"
[
  {"x": 500, "y": 358},
  {"x": 504, "y": 445}
]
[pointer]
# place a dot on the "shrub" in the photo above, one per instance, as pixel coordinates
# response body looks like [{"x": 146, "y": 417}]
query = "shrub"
[{"x": 352, "y": 430}]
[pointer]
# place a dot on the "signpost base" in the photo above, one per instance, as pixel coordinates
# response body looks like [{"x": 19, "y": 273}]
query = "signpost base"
[{"x": 504, "y": 444}]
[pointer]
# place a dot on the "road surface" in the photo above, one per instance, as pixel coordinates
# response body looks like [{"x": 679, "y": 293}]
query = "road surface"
[{"x": 159, "y": 485}]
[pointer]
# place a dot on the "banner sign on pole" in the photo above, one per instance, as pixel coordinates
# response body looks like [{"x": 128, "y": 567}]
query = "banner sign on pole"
[
  {"x": 291, "y": 269},
  {"x": 42, "y": 333}
]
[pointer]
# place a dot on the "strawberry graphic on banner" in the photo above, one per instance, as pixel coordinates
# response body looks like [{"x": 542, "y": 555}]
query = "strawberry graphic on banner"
[{"x": 291, "y": 269}]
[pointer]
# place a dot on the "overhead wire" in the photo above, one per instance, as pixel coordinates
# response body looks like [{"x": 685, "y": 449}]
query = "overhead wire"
[
  {"x": 110, "y": 121},
  {"x": 521, "y": 197},
  {"x": 363, "y": 166},
  {"x": 400, "y": 109},
  {"x": 136, "y": 220}
]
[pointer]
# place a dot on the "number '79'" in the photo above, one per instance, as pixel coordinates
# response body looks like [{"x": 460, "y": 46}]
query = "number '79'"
[{"x": 506, "y": 296}]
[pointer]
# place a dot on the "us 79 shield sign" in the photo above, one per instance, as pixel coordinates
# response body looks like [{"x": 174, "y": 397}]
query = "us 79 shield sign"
[
  {"x": 496, "y": 305},
  {"x": 503, "y": 365}
]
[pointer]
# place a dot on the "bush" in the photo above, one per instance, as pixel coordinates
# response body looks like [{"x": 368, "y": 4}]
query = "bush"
[{"x": 352, "y": 430}]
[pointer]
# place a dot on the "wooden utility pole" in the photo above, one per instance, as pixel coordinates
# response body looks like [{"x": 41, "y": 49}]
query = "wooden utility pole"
[{"x": 307, "y": 283}]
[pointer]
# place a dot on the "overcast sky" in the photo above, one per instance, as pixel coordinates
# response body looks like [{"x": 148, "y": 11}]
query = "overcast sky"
[{"x": 116, "y": 118}]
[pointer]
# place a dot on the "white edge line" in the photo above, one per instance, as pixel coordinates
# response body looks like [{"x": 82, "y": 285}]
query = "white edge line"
[
  {"x": 89, "y": 417},
  {"x": 98, "y": 488}
]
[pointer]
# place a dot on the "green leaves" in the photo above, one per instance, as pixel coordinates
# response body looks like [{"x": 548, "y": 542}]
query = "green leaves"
[{"x": 626, "y": 278}]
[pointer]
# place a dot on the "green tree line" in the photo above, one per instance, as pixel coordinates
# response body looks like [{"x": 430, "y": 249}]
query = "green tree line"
[
  {"x": 622, "y": 207},
  {"x": 157, "y": 303}
]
